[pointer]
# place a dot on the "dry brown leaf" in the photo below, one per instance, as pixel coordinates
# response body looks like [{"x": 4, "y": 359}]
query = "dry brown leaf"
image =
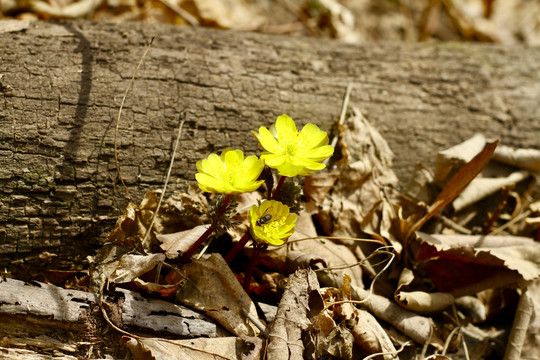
[
  {"x": 365, "y": 169},
  {"x": 214, "y": 289},
  {"x": 417, "y": 327},
  {"x": 285, "y": 337},
  {"x": 332, "y": 255},
  {"x": 192, "y": 349},
  {"x": 370, "y": 335},
  {"x": 456, "y": 185},
  {"x": 176, "y": 244},
  {"x": 318, "y": 185},
  {"x": 162, "y": 290},
  {"x": 473, "y": 307},
  {"x": 132, "y": 266},
  {"x": 229, "y": 14},
  {"x": 480, "y": 188},
  {"x": 420, "y": 301},
  {"x": 466, "y": 264},
  {"x": 344, "y": 331},
  {"x": 528, "y": 159},
  {"x": 450, "y": 160}
]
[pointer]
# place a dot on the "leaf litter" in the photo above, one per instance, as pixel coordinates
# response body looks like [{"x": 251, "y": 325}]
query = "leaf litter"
[{"x": 369, "y": 273}]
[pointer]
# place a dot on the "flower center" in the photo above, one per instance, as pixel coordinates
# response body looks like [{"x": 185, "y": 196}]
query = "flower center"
[{"x": 291, "y": 149}]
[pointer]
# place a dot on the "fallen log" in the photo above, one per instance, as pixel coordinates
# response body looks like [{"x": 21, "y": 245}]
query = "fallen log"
[
  {"x": 61, "y": 85},
  {"x": 69, "y": 322}
]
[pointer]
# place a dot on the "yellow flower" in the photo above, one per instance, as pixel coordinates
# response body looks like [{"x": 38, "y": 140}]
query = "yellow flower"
[
  {"x": 230, "y": 173},
  {"x": 291, "y": 152},
  {"x": 271, "y": 222}
]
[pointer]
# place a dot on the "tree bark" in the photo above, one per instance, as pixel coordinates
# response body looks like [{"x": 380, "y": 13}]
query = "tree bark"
[
  {"x": 69, "y": 322},
  {"x": 61, "y": 85}
]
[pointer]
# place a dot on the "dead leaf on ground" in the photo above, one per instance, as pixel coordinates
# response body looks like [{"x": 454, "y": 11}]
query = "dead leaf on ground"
[
  {"x": 331, "y": 255},
  {"x": 285, "y": 337},
  {"x": 130, "y": 267},
  {"x": 214, "y": 289},
  {"x": 456, "y": 184},
  {"x": 344, "y": 331},
  {"x": 464, "y": 264},
  {"x": 176, "y": 244},
  {"x": 365, "y": 170},
  {"x": 192, "y": 349},
  {"x": 420, "y": 301},
  {"x": 417, "y": 327}
]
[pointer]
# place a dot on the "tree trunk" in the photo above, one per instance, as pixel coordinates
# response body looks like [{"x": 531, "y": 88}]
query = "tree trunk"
[{"x": 61, "y": 85}]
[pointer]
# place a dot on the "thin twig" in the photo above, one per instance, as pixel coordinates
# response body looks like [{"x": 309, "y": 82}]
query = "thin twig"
[
  {"x": 334, "y": 238},
  {"x": 393, "y": 353},
  {"x": 120, "y": 114},
  {"x": 344, "y": 107},
  {"x": 178, "y": 136},
  {"x": 449, "y": 338},
  {"x": 372, "y": 283},
  {"x": 515, "y": 220}
]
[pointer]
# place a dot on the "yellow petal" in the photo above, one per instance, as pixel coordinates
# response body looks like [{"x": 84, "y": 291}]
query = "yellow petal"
[
  {"x": 273, "y": 160},
  {"x": 311, "y": 137},
  {"x": 268, "y": 142},
  {"x": 286, "y": 129},
  {"x": 320, "y": 153}
]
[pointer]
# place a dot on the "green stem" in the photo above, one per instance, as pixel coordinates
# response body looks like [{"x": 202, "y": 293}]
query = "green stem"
[{"x": 188, "y": 254}]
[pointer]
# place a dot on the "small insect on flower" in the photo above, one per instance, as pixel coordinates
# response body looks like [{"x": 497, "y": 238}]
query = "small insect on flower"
[
  {"x": 271, "y": 222},
  {"x": 265, "y": 219}
]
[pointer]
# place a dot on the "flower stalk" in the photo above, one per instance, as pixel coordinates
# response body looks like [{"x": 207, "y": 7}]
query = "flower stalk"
[
  {"x": 189, "y": 253},
  {"x": 252, "y": 263},
  {"x": 278, "y": 187}
]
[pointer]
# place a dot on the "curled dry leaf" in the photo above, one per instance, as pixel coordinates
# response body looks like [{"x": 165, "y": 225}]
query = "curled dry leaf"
[
  {"x": 467, "y": 264},
  {"x": 213, "y": 288},
  {"x": 420, "y": 301},
  {"x": 132, "y": 266},
  {"x": 370, "y": 336},
  {"x": 417, "y": 327},
  {"x": 321, "y": 252},
  {"x": 285, "y": 337},
  {"x": 162, "y": 290},
  {"x": 473, "y": 307},
  {"x": 457, "y": 183},
  {"x": 528, "y": 159},
  {"x": 176, "y": 244},
  {"x": 480, "y": 188},
  {"x": 450, "y": 160},
  {"x": 365, "y": 169},
  {"x": 192, "y": 349},
  {"x": 344, "y": 331}
]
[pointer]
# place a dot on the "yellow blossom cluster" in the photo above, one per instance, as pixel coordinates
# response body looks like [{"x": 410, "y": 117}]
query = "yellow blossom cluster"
[{"x": 289, "y": 151}]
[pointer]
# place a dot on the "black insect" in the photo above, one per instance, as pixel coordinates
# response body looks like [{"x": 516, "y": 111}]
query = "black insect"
[{"x": 265, "y": 219}]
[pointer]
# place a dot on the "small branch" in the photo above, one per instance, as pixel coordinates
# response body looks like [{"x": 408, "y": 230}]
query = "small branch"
[
  {"x": 166, "y": 182},
  {"x": 120, "y": 114}
]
